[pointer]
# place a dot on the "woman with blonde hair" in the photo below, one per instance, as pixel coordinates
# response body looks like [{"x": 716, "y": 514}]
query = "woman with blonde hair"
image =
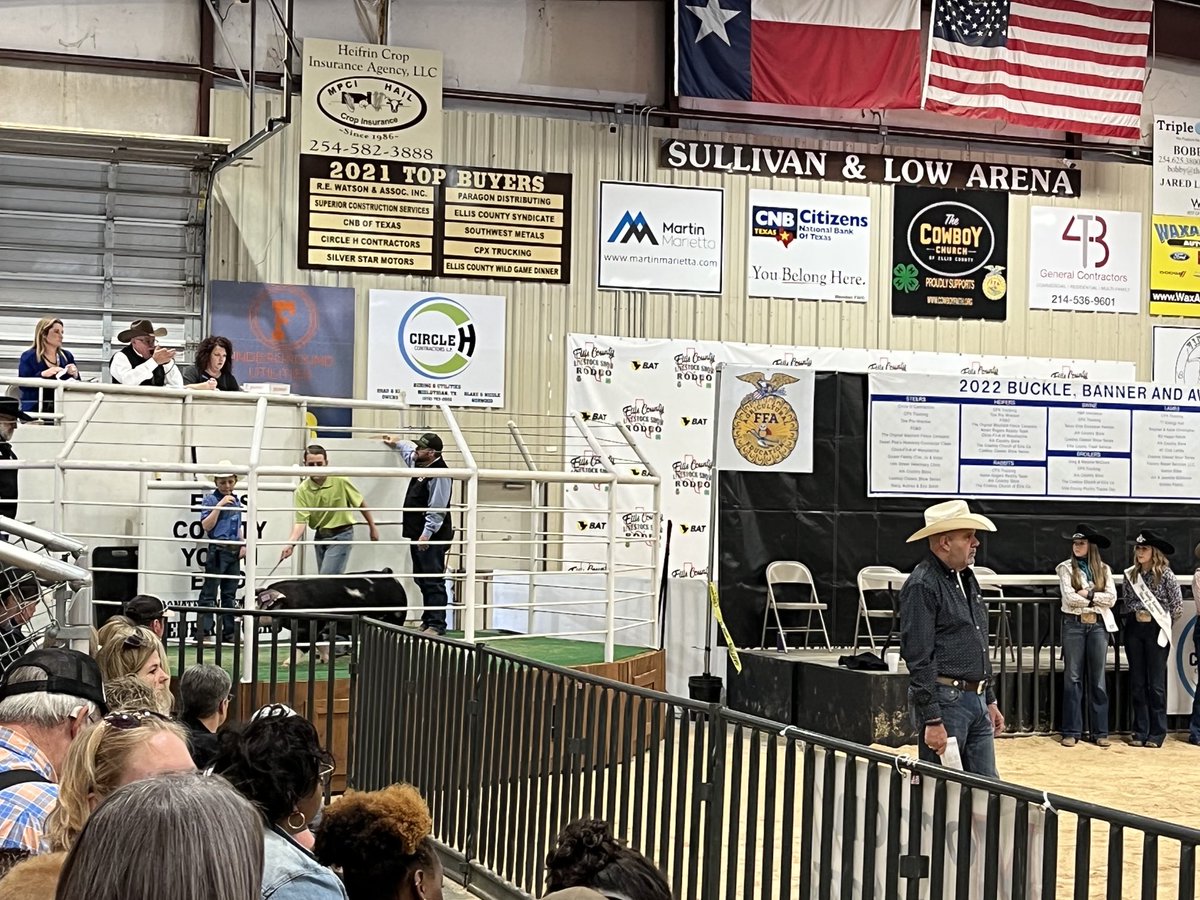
[
  {"x": 45, "y": 359},
  {"x": 1088, "y": 595},
  {"x": 120, "y": 749},
  {"x": 1150, "y": 602},
  {"x": 380, "y": 842},
  {"x": 134, "y": 650}
]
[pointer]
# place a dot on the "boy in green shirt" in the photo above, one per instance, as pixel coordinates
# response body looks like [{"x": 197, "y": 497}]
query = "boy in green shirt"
[{"x": 324, "y": 502}]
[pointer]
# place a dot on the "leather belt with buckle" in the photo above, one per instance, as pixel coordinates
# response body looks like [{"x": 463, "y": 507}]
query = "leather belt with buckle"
[
  {"x": 1142, "y": 616},
  {"x": 971, "y": 687},
  {"x": 1087, "y": 618},
  {"x": 324, "y": 534}
]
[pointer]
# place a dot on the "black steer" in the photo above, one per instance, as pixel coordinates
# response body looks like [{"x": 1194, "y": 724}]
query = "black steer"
[{"x": 376, "y": 588}]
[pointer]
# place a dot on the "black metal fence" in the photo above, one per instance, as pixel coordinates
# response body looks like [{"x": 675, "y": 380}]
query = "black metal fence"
[{"x": 508, "y": 751}]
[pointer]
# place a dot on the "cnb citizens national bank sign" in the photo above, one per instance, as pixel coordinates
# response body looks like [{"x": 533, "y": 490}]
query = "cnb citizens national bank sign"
[{"x": 875, "y": 168}]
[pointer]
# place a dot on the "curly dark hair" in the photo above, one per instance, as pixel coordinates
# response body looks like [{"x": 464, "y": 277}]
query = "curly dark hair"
[
  {"x": 204, "y": 353},
  {"x": 378, "y": 839},
  {"x": 587, "y": 855},
  {"x": 273, "y": 761}
]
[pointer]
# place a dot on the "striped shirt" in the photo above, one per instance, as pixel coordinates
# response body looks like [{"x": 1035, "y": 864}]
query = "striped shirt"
[{"x": 24, "y": 807}]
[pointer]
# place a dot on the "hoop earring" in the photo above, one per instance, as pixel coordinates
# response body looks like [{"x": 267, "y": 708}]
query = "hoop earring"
[{"x": 303, "y": 821}]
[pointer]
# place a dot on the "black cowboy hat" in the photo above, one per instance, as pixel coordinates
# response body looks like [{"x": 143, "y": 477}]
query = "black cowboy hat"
[
  {"x": 1090, "y": 534},
  {"x": 11, "y": 407},
  {"x": 1150, "y": 539}
]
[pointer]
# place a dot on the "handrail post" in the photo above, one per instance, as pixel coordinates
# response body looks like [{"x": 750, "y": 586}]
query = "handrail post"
[
  {"x": 250, "y": 523},
  {"x": 60, "y": 475},
  {"x": 470, "y": 524},
  {"x": 531, "y": 464}
]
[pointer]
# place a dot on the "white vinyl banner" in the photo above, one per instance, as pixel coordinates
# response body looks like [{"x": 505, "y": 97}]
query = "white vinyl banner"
[
  {"x": 1085, "y": 259},
  {"x": 808, "y": 246},
  {"x": 1176, "y": 166},
  {"x": 429, "y": 349},
  {"x": 664, "y": 390},
  {"x": 656, "y": 237},
  {"x": 939, "y": 436},
  {"x": 371, "y": 101},
  {"x": 1176, "y": 355},
  {"x": 764, "y": 419}
]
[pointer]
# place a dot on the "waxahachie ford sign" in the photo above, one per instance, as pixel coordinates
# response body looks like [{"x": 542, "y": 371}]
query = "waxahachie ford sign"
[{"x": 875, "y": 168}]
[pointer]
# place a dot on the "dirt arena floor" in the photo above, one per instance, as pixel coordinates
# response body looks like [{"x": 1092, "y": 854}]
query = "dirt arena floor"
[{"x": 1107, "y": 777}]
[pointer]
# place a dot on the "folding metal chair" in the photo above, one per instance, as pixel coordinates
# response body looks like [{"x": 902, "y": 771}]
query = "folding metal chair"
[
  {"x": 789, "y": 572},
  {"x": 871, "y": 580}
]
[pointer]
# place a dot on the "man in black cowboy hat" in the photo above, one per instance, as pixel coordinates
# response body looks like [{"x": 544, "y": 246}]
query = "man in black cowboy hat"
[
  {"x": 141, "y": 361},
  {"x": 10, "y": 416}
]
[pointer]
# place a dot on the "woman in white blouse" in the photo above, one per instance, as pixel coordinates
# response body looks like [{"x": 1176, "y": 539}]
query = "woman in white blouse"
[{"x": 1088, "y": 596}]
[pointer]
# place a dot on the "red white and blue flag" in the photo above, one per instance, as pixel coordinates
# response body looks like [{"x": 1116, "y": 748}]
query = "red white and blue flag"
[
  {"x": 1062, "y": 65},
  {"x": 844, "y": 54}
]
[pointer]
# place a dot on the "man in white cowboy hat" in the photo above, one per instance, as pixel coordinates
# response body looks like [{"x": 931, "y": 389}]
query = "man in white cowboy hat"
[
  {"x": 141, "y": 361},
  {"x": 944, "y": 641},
  {"x": 221, "y": 519}
]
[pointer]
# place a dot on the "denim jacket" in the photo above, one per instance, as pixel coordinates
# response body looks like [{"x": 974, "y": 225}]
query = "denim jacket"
[{"x": 292, "y": 873}]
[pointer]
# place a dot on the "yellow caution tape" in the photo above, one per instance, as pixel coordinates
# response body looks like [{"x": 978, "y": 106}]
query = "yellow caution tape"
[{"x": 716, "y": 605}]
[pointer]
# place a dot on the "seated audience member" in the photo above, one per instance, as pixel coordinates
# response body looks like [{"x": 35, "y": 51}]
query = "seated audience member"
[
  {"x": 204, "y": 695},
  {"x": 136, "y": 651},
  {"x": 46, "y": 358},
  {"x": 587, "y": 855},
  {"x": 120, "y": 749},
  {"x": 128, "y": 692},
  {"x": 34, "y": 879},
  {"x": 379, "y": 840},
  {"x": 141, "y": 361},
  {"x": 149, "y": 612},
  {"x": 277, "y": 762},
  {"x": 46, "y": 700},
  {"x": 10, "y": 484},
  {"x": 177, "y": 837},
  {"x": 213, "y": 369},
  {"x": 19, "y": 595}
]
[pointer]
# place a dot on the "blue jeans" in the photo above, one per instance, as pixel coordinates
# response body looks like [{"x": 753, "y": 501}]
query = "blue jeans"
[
  {"x": 430, "y": 560},
  {"x": 333, "y": 554},
  {"x": 1147, "y": 679},
  {"x": 1194, "y": 725},
  {"x": 1084, "y": 648},
  {"x": 966, "y": 718},
  {"x": 221, "y": 560}
]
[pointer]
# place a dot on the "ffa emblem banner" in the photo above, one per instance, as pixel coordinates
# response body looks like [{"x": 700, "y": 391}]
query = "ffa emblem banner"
[
  {"x": 950, "y": 254},
  {"x": 764, "y": 419}
]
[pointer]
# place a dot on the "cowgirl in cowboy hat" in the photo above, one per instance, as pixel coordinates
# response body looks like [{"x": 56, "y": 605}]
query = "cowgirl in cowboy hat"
[
  {"x": 1088, "y": 595},
  {"x": 944, "y": 641},
  {"x": 1150, "y": 602}
]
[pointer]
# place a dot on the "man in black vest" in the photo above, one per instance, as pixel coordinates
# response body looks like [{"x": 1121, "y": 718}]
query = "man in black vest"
[
  {"x": 426, "y": 523},
  {"x": 141, "y": 361},
  {"x": 10, "y": 415}
]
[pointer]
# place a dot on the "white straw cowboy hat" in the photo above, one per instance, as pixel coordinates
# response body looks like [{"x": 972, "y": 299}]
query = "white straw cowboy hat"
[
  {"x": 953, "y": 515},
  {"x": 223, "y": 470}
]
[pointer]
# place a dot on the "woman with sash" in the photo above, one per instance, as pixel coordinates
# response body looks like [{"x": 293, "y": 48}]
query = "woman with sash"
[
  {"x": 1150, "y": 602},
  {"x": 1088, "y": 596}
]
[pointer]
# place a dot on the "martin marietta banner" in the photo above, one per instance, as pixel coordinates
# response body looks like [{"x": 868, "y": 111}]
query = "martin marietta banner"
[{"x": 876, "y": 168}]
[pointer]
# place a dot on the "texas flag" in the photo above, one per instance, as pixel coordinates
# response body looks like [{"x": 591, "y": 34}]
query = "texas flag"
[{"x": 845, "y": 54}]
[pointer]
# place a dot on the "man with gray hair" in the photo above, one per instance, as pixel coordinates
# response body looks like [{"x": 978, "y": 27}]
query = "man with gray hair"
[
  {"x": 204, "y": 695},
  {"x": 46, "y": 699}
]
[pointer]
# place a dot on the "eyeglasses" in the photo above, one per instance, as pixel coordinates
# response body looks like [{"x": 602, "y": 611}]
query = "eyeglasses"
[{"x": 132, "y": 718}]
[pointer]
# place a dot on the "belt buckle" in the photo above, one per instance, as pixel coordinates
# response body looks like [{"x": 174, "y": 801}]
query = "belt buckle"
[
  {"x": 980, "y": 687},
  {"x": 1087, "y": 618},
  {"x": 1142, "y": 616}
]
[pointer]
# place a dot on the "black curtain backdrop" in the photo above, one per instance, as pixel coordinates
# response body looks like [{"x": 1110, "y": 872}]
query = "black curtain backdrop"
[{"x": 826, "y": 521}]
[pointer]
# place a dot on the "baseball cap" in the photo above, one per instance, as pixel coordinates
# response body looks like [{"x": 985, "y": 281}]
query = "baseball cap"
[
  {"x": 430, "y": 441},
  {"x": 67, "y": 672},
  {"x": 144, "y": 609}
]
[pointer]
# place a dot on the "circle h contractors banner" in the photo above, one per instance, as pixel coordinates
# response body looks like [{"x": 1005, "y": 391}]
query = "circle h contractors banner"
[
  {"x": 429, "y": 349},
  {"x": 950, "y": 254},
  {"x": 656, "y": 237},
  {"x": 809, "y": 246},
  {"x": 1085, "y": 259}
]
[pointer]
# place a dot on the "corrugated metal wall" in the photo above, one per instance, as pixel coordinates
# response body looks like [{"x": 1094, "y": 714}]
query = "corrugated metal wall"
[{"x": 253, "y": 239}]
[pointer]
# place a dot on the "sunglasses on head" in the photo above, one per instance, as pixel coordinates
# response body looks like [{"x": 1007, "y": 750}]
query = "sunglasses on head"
[
  {"x": 133, "y": 642},
  {"x": 132, "y": 718},
  {"x": 273, "y": 711},
  {"x": 325, "y": 773}
]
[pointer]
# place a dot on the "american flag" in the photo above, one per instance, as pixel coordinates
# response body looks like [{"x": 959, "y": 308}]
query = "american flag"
[{"x": 1061, "y": 65}]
